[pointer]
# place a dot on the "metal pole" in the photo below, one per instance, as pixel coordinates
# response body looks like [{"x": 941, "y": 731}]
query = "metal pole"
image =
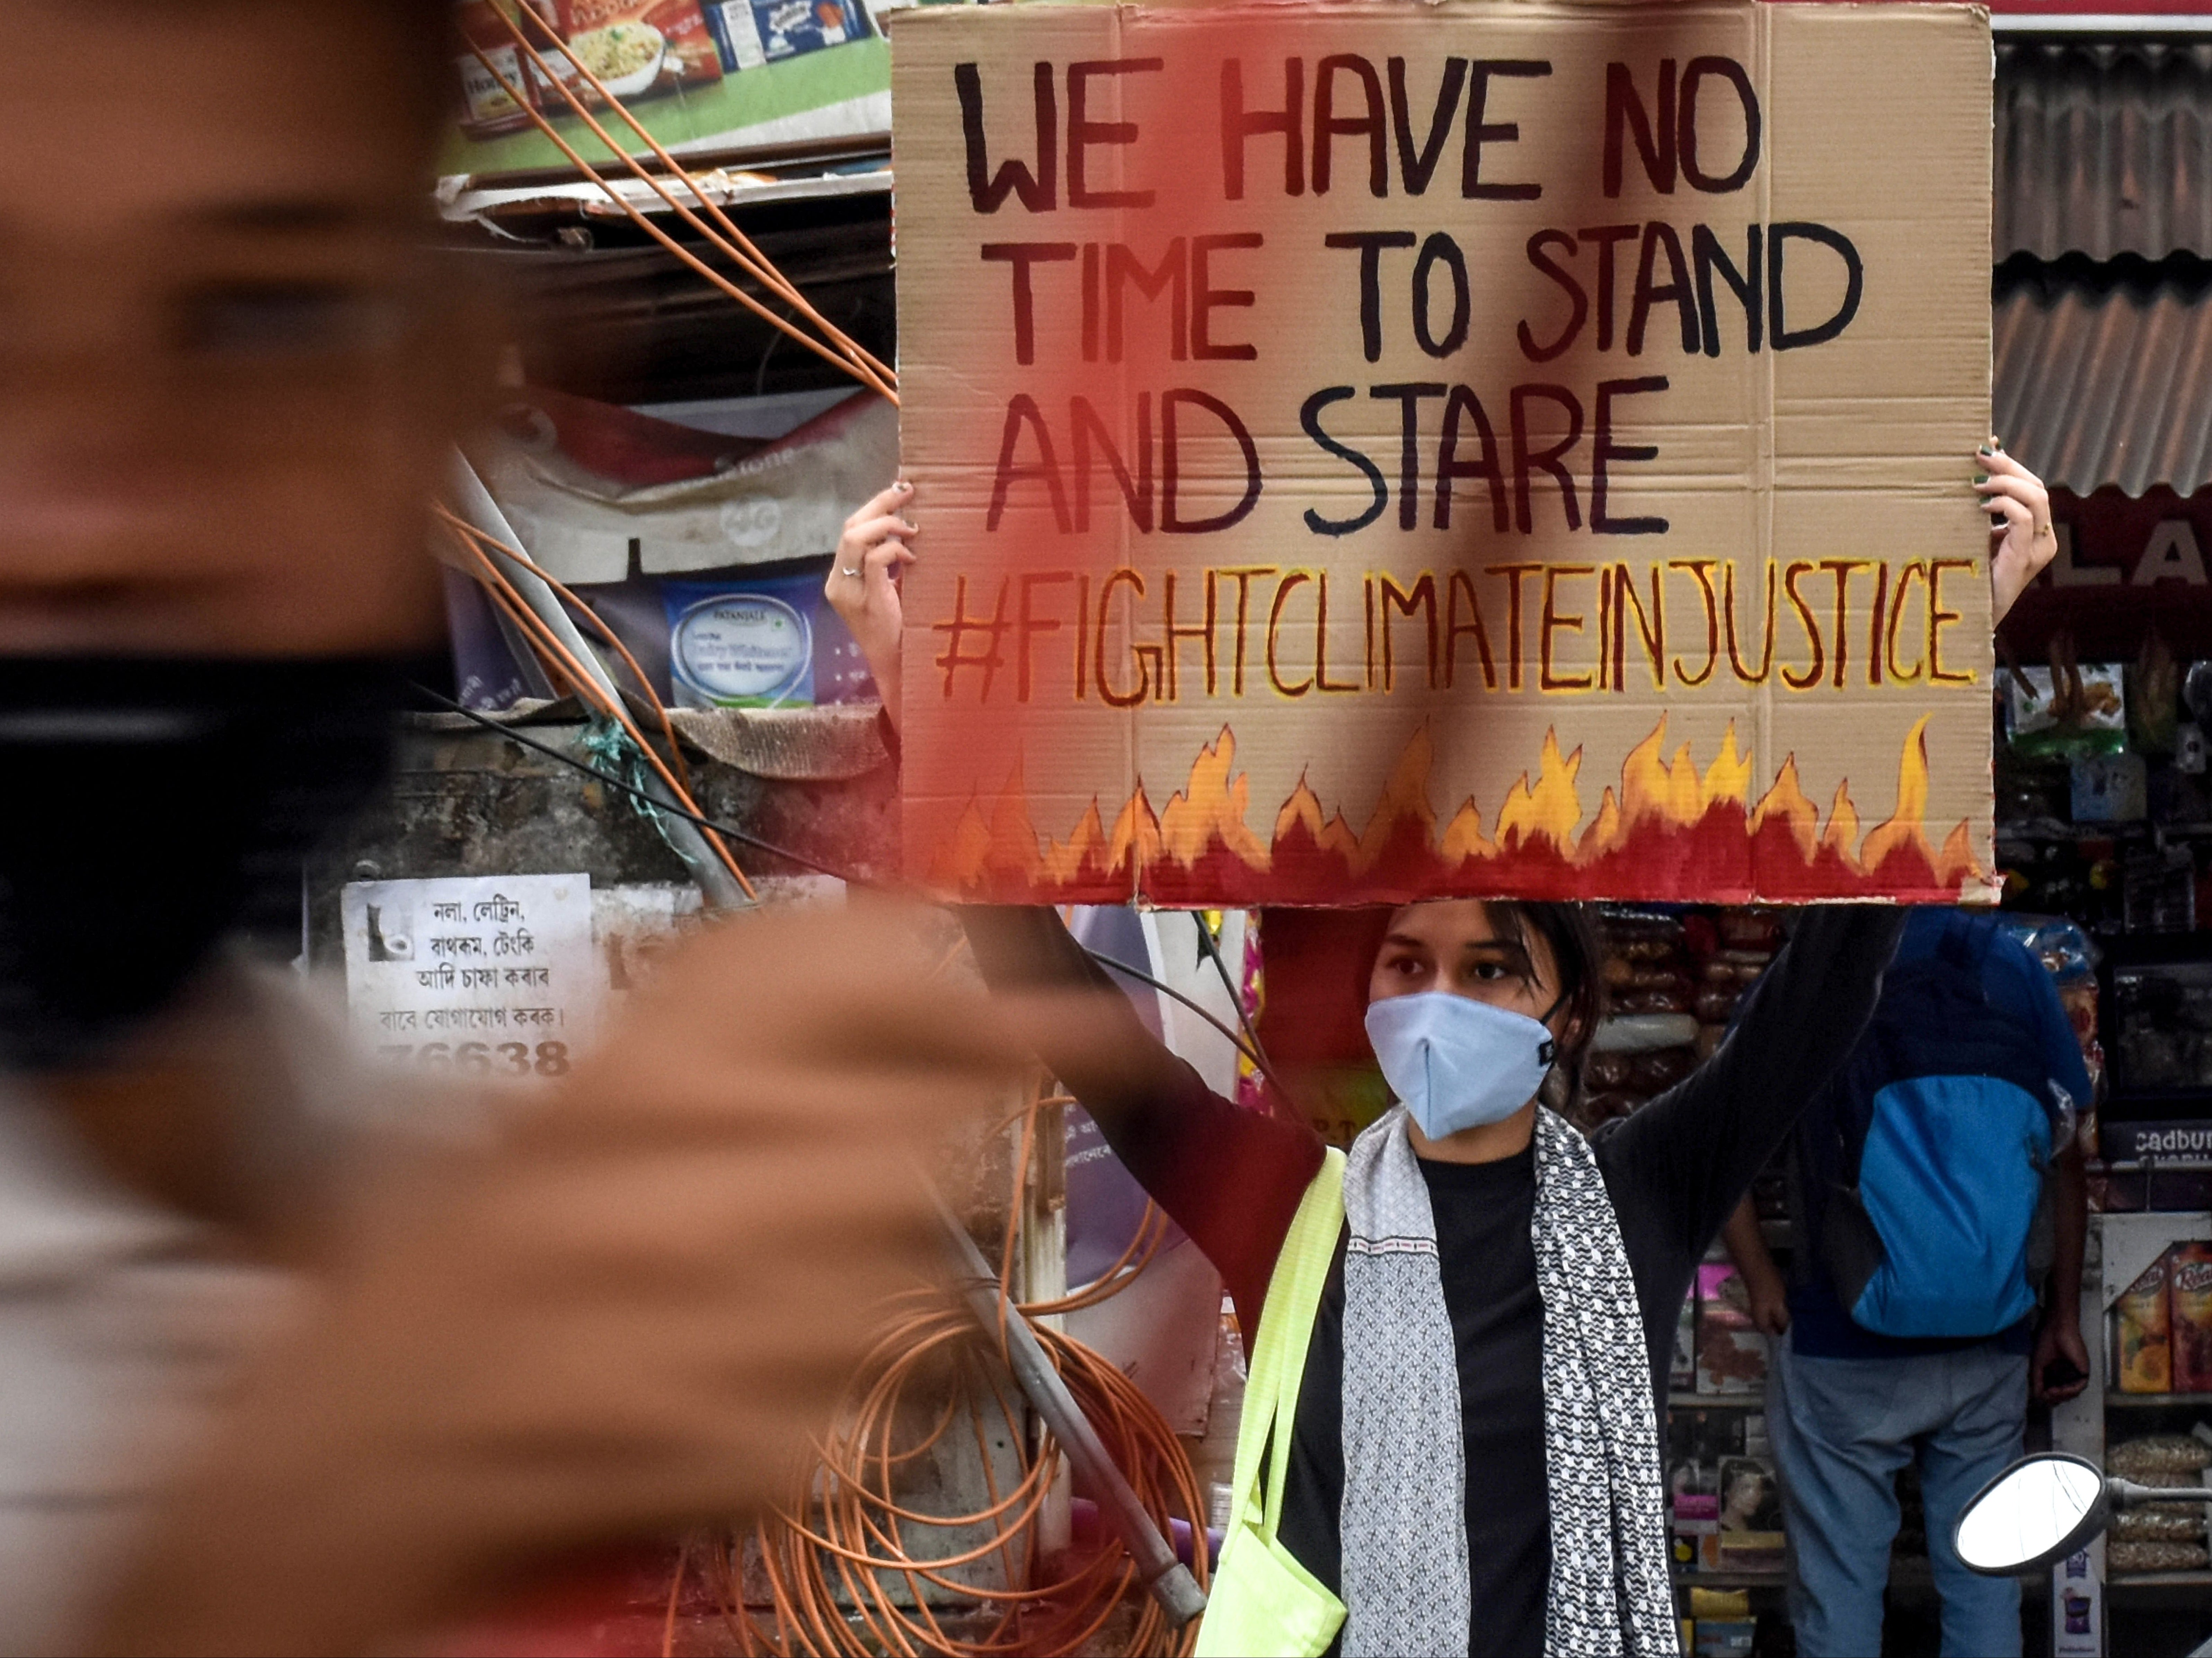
[
  {"x": 1167, "y": 1578},
  {"x": 472, "y": 501}
]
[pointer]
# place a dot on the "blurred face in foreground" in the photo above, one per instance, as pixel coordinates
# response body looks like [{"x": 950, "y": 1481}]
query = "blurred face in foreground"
[
  {"x": 226, "y": 374},
  {"x": 229, "y": 376}
]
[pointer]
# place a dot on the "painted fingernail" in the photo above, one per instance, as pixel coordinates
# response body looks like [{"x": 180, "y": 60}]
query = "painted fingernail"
[
  {"x": 904, "y": 487},
  {"x": 1981, "y": 477},
  {"x": 1986, "y": 450}
]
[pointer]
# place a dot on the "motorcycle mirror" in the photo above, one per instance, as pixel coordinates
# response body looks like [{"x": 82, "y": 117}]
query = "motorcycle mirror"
[
  {"x": 2196, "y": 692},
  {"x": 2040, "y": 1510}
]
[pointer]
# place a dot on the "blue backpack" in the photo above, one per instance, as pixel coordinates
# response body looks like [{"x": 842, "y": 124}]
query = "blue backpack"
[{"x": 1923, "y": 1158}]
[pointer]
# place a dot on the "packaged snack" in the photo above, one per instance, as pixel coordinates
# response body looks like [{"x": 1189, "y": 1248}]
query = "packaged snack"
[
  {"x": 1639, "y": 1033},
  {"x": 2159, "y": 1459},
  {"x": 1608, "y": 1071},
  {"x": 754, "y": 32},
  {"x": 2121, "y": 1556},
  {"x": 1651, "y": 1001},
  {"x": 1716, "y": 1002},
  {"x": 2162, "y": 1522},
  {"x": 2190, "y": 1301},
  {"x": 1725, "y": 1638},
  {"x": 1656, "y": 1071},
  {"x": 638, "y": 48},
  {"x": 487, "y": 108},
  {"x": 1731, "y": 1352},
  {"x": 2083, "y": 712},
  {"x": 1752, "y": 926},
  {"x": 2142, "y": 1332},
  {"x": 1641, "y": 935}
]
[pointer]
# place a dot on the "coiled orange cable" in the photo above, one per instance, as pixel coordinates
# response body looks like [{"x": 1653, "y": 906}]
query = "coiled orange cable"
[{"x": 839, "y": 1571}]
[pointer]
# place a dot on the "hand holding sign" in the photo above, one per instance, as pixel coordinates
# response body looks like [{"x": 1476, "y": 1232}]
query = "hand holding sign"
[
  {"x": 2026, "y": 541},
  {"x": 863, "y": 584}
]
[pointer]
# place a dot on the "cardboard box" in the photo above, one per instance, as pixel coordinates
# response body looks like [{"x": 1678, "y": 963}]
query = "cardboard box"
[{"x": 1352, "y": 475}]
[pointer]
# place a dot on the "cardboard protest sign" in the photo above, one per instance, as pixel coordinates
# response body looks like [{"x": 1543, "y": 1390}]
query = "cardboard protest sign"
[{"x": 1367, "y": 451}]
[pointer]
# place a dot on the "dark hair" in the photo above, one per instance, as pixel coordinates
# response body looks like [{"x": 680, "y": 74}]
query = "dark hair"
[{"x": 1572, "y": 937}]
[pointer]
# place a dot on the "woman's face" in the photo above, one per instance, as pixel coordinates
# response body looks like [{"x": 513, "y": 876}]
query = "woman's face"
[{"x": 1450, "y": 945}]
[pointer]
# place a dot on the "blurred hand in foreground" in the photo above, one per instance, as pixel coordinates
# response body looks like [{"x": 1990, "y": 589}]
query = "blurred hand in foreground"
[{"x": 627, "y": 1316}]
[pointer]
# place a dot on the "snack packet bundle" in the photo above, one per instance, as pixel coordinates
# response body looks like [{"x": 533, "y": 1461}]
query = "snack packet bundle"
[
  {"x": 638, "y": 48},
  {"x": 487, "y": 108},
  {"x": 2142, "y": 1332}
]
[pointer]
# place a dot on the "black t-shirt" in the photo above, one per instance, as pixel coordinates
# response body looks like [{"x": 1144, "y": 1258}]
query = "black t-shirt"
[
  {"x": 1232, "y": 1179},
  {"x": 1488, "y": 1258}
]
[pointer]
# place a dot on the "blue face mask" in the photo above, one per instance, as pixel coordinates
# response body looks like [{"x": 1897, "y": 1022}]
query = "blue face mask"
[{"x": 1456, "y": 1063}]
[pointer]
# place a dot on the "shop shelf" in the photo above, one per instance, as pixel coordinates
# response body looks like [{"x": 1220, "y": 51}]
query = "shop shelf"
[
  {"x": 2199, "y": 1579},
  {"x": 2118, "y": 1401},
  {"x": 1718, "y": 1401},
  {"x": 1685, "y": 1578}
]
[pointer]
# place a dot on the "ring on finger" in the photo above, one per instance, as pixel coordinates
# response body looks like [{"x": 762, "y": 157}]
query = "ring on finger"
[
  {"x": 855, "y": 573},
  {"x": 2042, "y": 530}
]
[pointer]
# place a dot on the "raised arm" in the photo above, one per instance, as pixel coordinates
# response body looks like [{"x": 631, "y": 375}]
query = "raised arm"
[
  {"x": 1689, "y": 1155},
  {"x": 1229, "y": 1177}
]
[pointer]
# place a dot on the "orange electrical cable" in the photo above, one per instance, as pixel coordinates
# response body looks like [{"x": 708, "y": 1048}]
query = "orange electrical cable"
[
  {"x": 821, "y": 1577},
  {"x": 598, "y": 626},
  {"x": 842, "y": 1571},
  {"x": 586, "y": 685},
  {"x": 734, "y": 242},
  {"x": 867, "y": 377}
]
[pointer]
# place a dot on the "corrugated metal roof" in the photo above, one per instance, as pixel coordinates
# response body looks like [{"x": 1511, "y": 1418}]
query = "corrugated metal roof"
[
  {"x": 2094, "y": 389},
  {"x": 2103, "y": 149}
]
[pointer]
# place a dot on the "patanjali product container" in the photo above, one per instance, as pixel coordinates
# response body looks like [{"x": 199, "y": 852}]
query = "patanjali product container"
[
  {"x": 2142, "y": 1323},
  {"x": 487, "y": 108},
  {"x": 2190, "y": 1316}
]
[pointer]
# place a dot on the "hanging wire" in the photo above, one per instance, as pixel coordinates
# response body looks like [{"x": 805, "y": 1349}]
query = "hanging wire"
[
  {"x": 477, "y": 547},
  {"x": 837, "y": 1562},
  {"x": 836, "y": 347},
  {"x": 831, "y": 1589}
]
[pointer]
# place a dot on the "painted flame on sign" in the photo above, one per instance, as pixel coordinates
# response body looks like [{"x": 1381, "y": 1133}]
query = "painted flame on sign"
[{"x": 1667, "y": 829}]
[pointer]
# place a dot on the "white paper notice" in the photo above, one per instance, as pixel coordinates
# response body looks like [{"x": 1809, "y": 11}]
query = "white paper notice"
[{"x": 491, "y": 975}]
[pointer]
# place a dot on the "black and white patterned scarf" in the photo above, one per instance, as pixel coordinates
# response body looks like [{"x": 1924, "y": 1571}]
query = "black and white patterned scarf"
[{"x": 1404, "y": 1519}]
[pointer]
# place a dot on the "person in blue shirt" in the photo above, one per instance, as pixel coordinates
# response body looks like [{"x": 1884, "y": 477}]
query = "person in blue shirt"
[{"x": 1847, "y": 1406}]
